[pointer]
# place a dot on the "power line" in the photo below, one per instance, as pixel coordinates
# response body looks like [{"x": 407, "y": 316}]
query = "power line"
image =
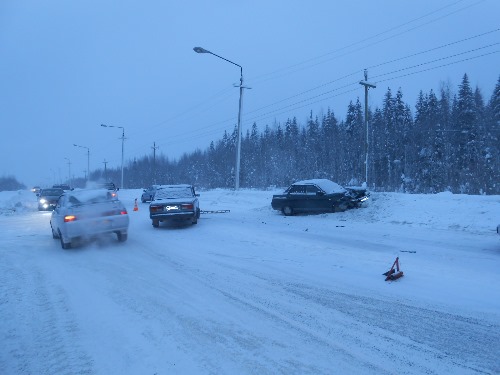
[
  {"x": 218, "y": 125},
  {"x": 257, "y": 79}
]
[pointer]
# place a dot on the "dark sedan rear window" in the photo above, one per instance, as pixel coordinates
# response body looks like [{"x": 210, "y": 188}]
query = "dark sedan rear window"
[
  {"x": 53, "y": 192},
  {"x": 172, "y": 193}
]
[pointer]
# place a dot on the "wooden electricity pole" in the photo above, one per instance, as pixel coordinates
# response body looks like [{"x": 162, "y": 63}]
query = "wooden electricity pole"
[
  {"x": 367, "y": 141},
  {"x": 154, "y": 161},
  {"x": 105, "y": 170}
]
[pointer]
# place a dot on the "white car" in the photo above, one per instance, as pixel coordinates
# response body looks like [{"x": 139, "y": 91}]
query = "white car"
[{"x": 86, "y": 214}]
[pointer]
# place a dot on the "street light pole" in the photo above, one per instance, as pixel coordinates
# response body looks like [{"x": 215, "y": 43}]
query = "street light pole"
[
  {"x": 88, "y": 160},
  {"x": 69, "y": 171},
  {"x": 238, "y": 145},
  {"x": 123, "y": 141}
]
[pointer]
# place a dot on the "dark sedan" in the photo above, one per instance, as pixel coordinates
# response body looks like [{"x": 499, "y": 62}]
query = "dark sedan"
[
  {"x": 174, "y": 203},
  {"x": 47, "y": 198},
  {"x": 318, "y": 195}
]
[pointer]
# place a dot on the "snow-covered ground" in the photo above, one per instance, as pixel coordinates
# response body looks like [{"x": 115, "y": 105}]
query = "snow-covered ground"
[{"x": 254, "y": 292}]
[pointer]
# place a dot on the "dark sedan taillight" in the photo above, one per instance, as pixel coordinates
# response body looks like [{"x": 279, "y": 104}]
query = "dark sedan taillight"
[
  {"x": 155, "y": 208},
  {"x": 187, "y": 206}
]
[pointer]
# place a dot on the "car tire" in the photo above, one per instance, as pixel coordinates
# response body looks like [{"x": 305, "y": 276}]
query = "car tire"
[
  {"x": 143, "y": 200},
  {"x": 64, "y": 245},
  {"x": 194, "y": 220},
  {"x": 55, "y": 235},
  {"x": 156, "y": 223},
  {"x": 287, "y": 211},
  {"x": 122, "y": 236}
]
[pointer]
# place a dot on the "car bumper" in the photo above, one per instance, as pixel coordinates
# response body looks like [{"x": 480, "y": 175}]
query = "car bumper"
[
  {"x": 92, "y": 228},
  {"x": 46, "y": 207},
  {"x": 174, "y": 216}
]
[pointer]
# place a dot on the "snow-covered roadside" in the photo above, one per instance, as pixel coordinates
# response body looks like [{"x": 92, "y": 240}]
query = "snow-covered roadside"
[{"x": 253, "y": 291}]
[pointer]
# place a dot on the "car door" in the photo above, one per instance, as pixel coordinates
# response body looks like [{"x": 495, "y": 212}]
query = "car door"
[
  {"x": 316, "y": 199},
  {"x": 58, "y": 214},
  {"x": 297, "y": 198}
]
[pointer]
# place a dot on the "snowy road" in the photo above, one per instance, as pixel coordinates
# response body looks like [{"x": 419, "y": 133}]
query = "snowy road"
[{"x": 254, "y": 292}]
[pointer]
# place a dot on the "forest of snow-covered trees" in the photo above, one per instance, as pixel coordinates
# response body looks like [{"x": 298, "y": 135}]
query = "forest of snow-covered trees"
[{"x": 449, "y": 142}]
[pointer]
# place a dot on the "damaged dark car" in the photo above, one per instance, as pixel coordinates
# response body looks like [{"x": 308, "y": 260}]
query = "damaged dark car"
[{"x": 318, "y": 195}]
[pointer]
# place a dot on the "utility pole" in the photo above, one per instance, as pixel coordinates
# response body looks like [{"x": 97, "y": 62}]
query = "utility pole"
[
  {"x": 69, "y": 171},
  {"x": 154, "y": 161},
  {"x": 367, "y": 85},
  {"x": 123, "y": 142},
  {"x": 105, "y": 170}
]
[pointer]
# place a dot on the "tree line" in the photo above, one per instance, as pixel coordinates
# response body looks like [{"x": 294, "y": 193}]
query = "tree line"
[{"x": 450, "y": 143}]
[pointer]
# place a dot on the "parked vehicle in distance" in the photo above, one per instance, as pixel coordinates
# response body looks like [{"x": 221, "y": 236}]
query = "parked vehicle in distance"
[
  {"x": 36, "y": 189},
  {"x": 65, "y": 187},
  {"x": 47, "y": 198},
  {"x": 174, "y": 203},
  {"x": 148, "y": 194},
  {"x": 86, "y": 214},
  {"x": 108, "y": 186},
  {"x": 318, "y": 195}
]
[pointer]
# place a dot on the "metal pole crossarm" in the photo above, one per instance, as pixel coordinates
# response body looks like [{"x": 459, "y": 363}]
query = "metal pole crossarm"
[{"x": 368, "y": 84}]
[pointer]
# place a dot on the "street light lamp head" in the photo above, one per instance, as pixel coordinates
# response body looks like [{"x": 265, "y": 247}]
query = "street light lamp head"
[
  {"x": 104, "y": 125},
  {"x": 200, "y": 50}
]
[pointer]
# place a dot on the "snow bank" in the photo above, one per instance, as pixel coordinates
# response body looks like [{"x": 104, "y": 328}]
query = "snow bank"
[{"x": 17, "y": 201}]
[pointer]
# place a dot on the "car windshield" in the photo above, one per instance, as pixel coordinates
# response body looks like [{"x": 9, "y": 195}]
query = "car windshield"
[
  {"x": 174, "y": 192},
  {"x": 52, "y": 192}
]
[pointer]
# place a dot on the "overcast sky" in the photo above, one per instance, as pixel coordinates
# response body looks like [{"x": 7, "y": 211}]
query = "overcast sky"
[{"x": 68, "y": 66}]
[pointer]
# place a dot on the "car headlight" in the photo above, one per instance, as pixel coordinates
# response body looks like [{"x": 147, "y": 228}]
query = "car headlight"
[{"x": 43, "y": 200}]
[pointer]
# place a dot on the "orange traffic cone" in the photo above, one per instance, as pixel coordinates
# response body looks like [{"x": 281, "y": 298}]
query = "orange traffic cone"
[{"x": 136, "y": 208}]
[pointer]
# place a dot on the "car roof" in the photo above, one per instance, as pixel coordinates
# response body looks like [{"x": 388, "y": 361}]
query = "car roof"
[
  {"x": 180, "y": 186},
  {"x": 88, "y": 194},
  {"x": 327, "y": 186}
]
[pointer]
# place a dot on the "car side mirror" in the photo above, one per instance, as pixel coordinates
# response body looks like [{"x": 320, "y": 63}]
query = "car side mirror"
[{"x": 197, "y": 195}]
